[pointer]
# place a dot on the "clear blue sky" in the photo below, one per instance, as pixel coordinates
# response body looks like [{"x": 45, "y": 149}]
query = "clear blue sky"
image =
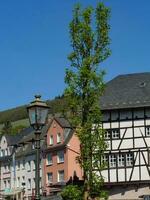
[{"x": 34, "y": 44}]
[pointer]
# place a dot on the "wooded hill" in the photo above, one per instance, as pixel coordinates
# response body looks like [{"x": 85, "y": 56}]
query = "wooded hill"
[{"x": 58, "y": 105}]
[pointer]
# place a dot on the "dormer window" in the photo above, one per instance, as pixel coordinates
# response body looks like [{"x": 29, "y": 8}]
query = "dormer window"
[
  {"x": 3, "y": 152},
  {"x": 33, "y": 145},
  {"x": 58, "y": 137},
  {"x": 6, "y": 152}
]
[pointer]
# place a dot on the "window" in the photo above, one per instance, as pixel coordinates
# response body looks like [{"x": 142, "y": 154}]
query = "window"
[
  {"x": 29, "y": 184},
  {"x": 23, "y": 164},
  {"x": 115, "y": 133},
  {"x": 49, "y": 177},
  {"x": 6, "y": 152},
  {"x": 18, "y": 182},
  {"x": 33, "y": 182},
  {"x": 33, "y": 145},
  {"x": 3, "y": 152},
  {"x": 8, "y": 168},
  {"x": 112, "y": 133},
  {"x": 148, "y": 131},
  {"x": 51, "y": 140},
  {"x": 8, "y": 183},
  {"x": 24, "y": 147},
  {"x": 61, "y": 176},
  {"x": 29, "y": 166},
  {"x": 121, "y": 160},
  {"x": 18, "y": 165},
  {"x": 105, "y": 159},
  {"x": 34, "y": 164},
  {"x": 129, "y": 159},
  {"x": 49, "y": 159},
  {"x": 5, "y": 184},
  {"x": 23, "y": 179},
  {"x": 58, "y": 137},
  {"x": 112, "y": 160},
  {"x": 107, "y": 134},
  {"x": 5, "y": 168},
  {"x": 60, "y": 156}
]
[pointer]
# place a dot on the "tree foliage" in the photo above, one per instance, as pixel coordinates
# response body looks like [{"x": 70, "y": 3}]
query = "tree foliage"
[
  {"x": 7, "y": 128},
  {"x": 71, "y": 192},
  {"x": 89, "y": 31}
]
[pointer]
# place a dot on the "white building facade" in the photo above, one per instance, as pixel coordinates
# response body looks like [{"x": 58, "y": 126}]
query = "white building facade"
[
  {"x": 5, "y": 164},
  {"x": 17, "y": 166},
  {"x": 126, "y": 120}
]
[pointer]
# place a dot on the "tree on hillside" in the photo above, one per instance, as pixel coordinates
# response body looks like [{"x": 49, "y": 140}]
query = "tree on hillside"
[
  {"x": 17, "y": 129},
  {"x": 7, "y": 128},
  {"x": 89, "y": 31}
]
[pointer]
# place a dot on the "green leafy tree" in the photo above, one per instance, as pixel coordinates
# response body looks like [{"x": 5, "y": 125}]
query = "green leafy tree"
[
  {"x": 7, "y": 128},
  {"x": 89, "y": 31},
  {"x": 17, "y": 129},
  {"x": 71, "y": 192}
]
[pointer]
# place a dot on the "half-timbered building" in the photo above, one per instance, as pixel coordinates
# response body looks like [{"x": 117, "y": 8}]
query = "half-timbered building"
[{"x": 126, "y": 120}]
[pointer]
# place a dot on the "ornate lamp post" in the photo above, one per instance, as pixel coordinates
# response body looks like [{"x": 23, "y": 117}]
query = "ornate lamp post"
[{"x": 38, "y": 112}]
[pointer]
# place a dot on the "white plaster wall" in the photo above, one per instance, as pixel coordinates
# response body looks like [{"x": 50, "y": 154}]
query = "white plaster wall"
[
  {"x": 128, "y": 192},
  {"x": 28, "y": 174}
]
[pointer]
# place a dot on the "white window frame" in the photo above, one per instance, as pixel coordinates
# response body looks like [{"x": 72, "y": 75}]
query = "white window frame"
[
  {"x": 60, "y": 157},
  {"x": 29, "y": 166},
  {"x": 18, "y": 165},
  {"x": 115, "y": 133},
  {"x": 5, "y": 183},
  {"x": 33, "y": 145},
  {"x": 18, "y": 182},
  {"x": 51, "y": 140},
  {"x": 129, "y": 159},
  {"x": 112, "y": 160},
  {"x": 23, "y": 164},
  {"x": 107, "y": 134},
  {"x": 147, "y": 131},
  {"x": 29, "y": 184},
  {"x": 58, "y": 137},
  {"x": 8, "y": 183},
  {"x": 23, "y": 179},
  {"x": 121, "y": 160},
  {"x": 49, "y": 177},
  {"x": 104, "y": 159},
  {"x": 59, "y": 176},
  {"x": 49, "y": 162}
]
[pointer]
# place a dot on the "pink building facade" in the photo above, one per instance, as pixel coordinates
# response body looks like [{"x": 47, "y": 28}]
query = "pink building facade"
[{"x": 60, "y": 163}]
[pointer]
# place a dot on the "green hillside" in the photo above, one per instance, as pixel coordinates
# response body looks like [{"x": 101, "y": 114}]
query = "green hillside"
[{"x": 18, "y": 114}]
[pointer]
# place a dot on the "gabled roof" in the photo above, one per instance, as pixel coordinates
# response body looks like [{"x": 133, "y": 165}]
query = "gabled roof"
[
  {"x": 67, "y": 133},
  {"x": 15, "y": 139},
  {"x": 63, "y": 122},
  {"x": 127, "y": 91}
]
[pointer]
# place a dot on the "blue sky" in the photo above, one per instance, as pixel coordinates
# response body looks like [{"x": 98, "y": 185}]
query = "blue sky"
[{"x": 34, "y": 44}]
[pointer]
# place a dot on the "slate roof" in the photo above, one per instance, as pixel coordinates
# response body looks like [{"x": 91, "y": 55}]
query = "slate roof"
[
  {"x": 127, "y": 91},
  {"x": 15, "y": 139},
  {"x": 63, "y": 122}
]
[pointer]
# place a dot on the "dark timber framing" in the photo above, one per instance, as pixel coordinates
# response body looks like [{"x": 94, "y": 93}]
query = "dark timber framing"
[{"x": 140, "y": 154}]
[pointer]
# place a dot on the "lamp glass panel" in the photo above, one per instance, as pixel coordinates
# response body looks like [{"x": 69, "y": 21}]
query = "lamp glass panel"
[
  {"x": 32, "y": 115},
  {"x": 41, "y": 115}
]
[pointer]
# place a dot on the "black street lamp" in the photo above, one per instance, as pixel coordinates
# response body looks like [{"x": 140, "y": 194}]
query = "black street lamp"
[{"x": 38, "y": 112}]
